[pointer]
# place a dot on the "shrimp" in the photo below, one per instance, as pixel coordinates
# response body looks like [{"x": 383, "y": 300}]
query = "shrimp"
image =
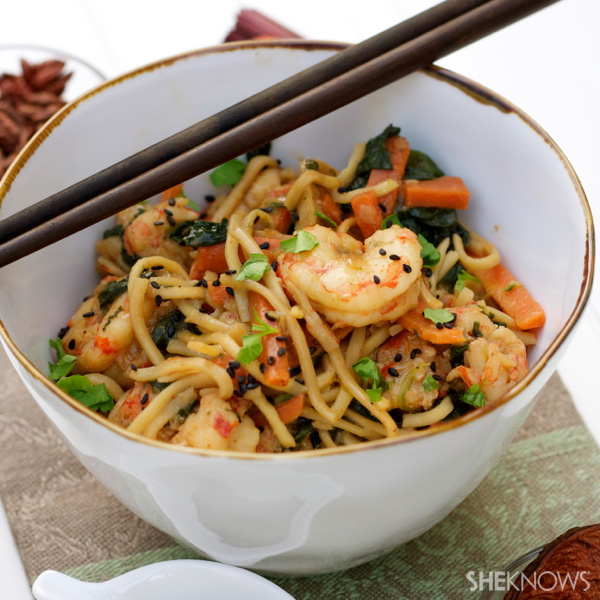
[
  {"x": 218, "y": 427},
  {"x": 496, "y": 359},
  {"x": 352, "y": 284},
  {"x": 97, "y": 336},
  {"x": 415, "y": 371}
]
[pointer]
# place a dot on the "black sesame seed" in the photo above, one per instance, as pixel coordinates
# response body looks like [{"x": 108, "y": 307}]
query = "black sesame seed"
[
  {"x": 388, "y": 224},
  {"x": 438, "y": 377},
  {"x": 252, "y": 386},
  {"x": 382, "y": 207},
  {"x": 88, "y": 314},
  {"x": 133, "y": 367},
  {"x": 448, "y": 325},
  {"x": 281, "y": 352},
  {"x": 415, "y": 352},
  {"x": 170, "y": 331},
  {"x": 168, "y": 212},
  {"x": 398, "y": 357},
  {"x": 243, "y": 388},
  {"x": 62, "y": 332},
  {"x": 216, "y": 283},
  {"x": 171, "y": 221},
  {"x": 270, "y": 317},
  {"x": 204, "y": 283},
  {"x": 230, "y": 371},
  {"x": 229, "y": 290},
  {"x": 262, "y": 367},
  {"x": 428, "y": 272},
  {"x": 251, "y": 378},
  {"x": 281, "y": 338},
  {"x": 274, "y": 265},
  {"x": 271, "y": 360},
  {"x": 394, "y": 257},
  {"x": 312, "y": 349},
  {"x": 439, "y": 326},
  {"x": 71, "y": 344},
  {"x": 158, "y": 299},
  {"x": 264, "y": 245},
  {"x": 157, "y": 267},
  {"x": 382, "y": 251},
  {"x": 393, "y": 372},
  {"x": 342, "y": 189},
  {"x": 234, "y": 364},
  {"x": 433, "y": 367},
  {"x": 407, "y": 268},
  {"x": 144, "y": 399},
  {"x": 159, "y": 223},
  {"x": 299, "y": 380},
  {"x": 293, "y": 371},
  {"x": 176, "y": 317},
  {"x": 155, "y": 285},
  {"x": 241, "y": 379},
  {"x": 171, "y": 201},
  {"x": 209, "y": 198},
  {"x": 376, "y": 279},
  {"x": 230, "y": 272}
]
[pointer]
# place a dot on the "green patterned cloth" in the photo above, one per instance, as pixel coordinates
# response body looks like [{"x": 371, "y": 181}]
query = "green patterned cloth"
[{"x": 545, "y": 483}]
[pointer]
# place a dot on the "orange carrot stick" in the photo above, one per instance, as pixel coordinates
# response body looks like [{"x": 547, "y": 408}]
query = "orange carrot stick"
[
  {"x": 290, "y": 410},
  {"x": 274, "y": 351},
  {"x": 442, "y": 192},
  {"x": 209, "y": 258},
  {"x": 330, "y": 208},
  {"x": 425, "y": 328},
  {"x": 512, "y": 297},
  {"x": 367, "y": 212}
]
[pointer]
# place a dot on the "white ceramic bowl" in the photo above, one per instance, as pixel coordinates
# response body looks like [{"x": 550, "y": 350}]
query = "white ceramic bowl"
[{"x": 319, "y": 512}]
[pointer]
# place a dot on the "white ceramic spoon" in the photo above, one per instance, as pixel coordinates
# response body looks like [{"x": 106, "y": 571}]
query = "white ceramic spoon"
[{"x": 170, "y": 580}]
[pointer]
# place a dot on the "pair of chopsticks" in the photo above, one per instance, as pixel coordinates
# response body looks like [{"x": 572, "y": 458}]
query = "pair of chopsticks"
[{"x": 300, "y": 99}]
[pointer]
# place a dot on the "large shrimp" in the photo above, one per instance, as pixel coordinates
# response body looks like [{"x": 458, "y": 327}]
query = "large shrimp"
[
  {"x": 355, "y": 284},
  {"x": 97, "y": 336},
  {"x": 496, "y": 358}
]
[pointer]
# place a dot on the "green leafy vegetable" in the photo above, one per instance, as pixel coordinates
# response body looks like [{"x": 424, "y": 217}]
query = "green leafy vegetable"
[
  {"x": 367, "y": 369},
  {"x": 254, "y": 268},
  {"x": 64, "y": 363},
  {"x": 228, "y": 173},
  {"x": 462, "y": 277},
  {"x": 457, "y": 354},
  {"x": 474, "y": 396},
  {"x": 111, "y": 291},
  {"x": 438, "y": 315},
  {"x": 421, "y": 167},
  {"x": 326, "y": 219},
  {"x": 311, "y": 165},
  {"x": 430, "y": 384},
  {"x": 264, "y": 150},
  {"x": 200, "y": 233},
  {"x": 434, "y": 224},
  {"x": 79, "y": 387},
  {"x": 377, "y": 156},
  {"x": 166, "y": 329},
  {"x": 301, "y": 242},
  {"x": 390, "y": 220},
  {"x": 128, "y": 259},
  {"x": 429, "y": 252},
  {"x": 82, "y": 389},
  {"x": 116, "y": 230},
  {"x": 252, "y": 343}
]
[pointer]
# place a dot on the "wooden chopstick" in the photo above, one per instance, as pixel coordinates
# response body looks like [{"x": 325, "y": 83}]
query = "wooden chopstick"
[{"x": 262, "y": 118}]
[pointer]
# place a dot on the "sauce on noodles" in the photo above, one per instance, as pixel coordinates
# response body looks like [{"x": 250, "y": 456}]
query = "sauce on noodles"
[{"x": 304, "y": 308}]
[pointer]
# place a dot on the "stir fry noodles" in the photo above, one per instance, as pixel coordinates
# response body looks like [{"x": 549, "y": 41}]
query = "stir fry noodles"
[{"x": 305, "y": 307}]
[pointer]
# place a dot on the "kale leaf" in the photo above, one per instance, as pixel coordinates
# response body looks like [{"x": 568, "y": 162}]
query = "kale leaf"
[
  {"x": 200, "y": 233},
  {"x": 434, "y": 224},
  {"x": 111, "y": 291},
  {"x": 421, "y": 167},
  {"x": 166, "y": 329}
]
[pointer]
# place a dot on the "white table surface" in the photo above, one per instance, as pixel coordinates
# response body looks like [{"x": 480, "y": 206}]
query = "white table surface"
[{"x": 548, "y": 65}]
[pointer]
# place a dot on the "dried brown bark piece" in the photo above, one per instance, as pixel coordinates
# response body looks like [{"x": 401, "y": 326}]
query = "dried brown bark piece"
[{"x": 567, "y": 568}]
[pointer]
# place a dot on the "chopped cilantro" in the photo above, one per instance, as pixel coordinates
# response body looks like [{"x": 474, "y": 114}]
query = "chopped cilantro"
[
  {"x": 462, "y": 277},
  {"x": 474, "y": 396},
  {"x": 82, "y": 389},
  {"x": 301, "y": 242},
  {"x": 390, "y": 220},
  {"x": 64, "y": 363},
  {"x": 512, "y": 285},
  {"x": 438, "y": 315},
  {"x": 430, "y": 384},
  {"x": 254, "y": 268},
  {"x": 228, "y": 173},
  {"x": 429, "y": 253},
  {"x": 252, "y": 343},
  {"x": 326, "y": 219},
  {"x": 116, "y": 230},
  {"x": 368, "y": 371}
]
